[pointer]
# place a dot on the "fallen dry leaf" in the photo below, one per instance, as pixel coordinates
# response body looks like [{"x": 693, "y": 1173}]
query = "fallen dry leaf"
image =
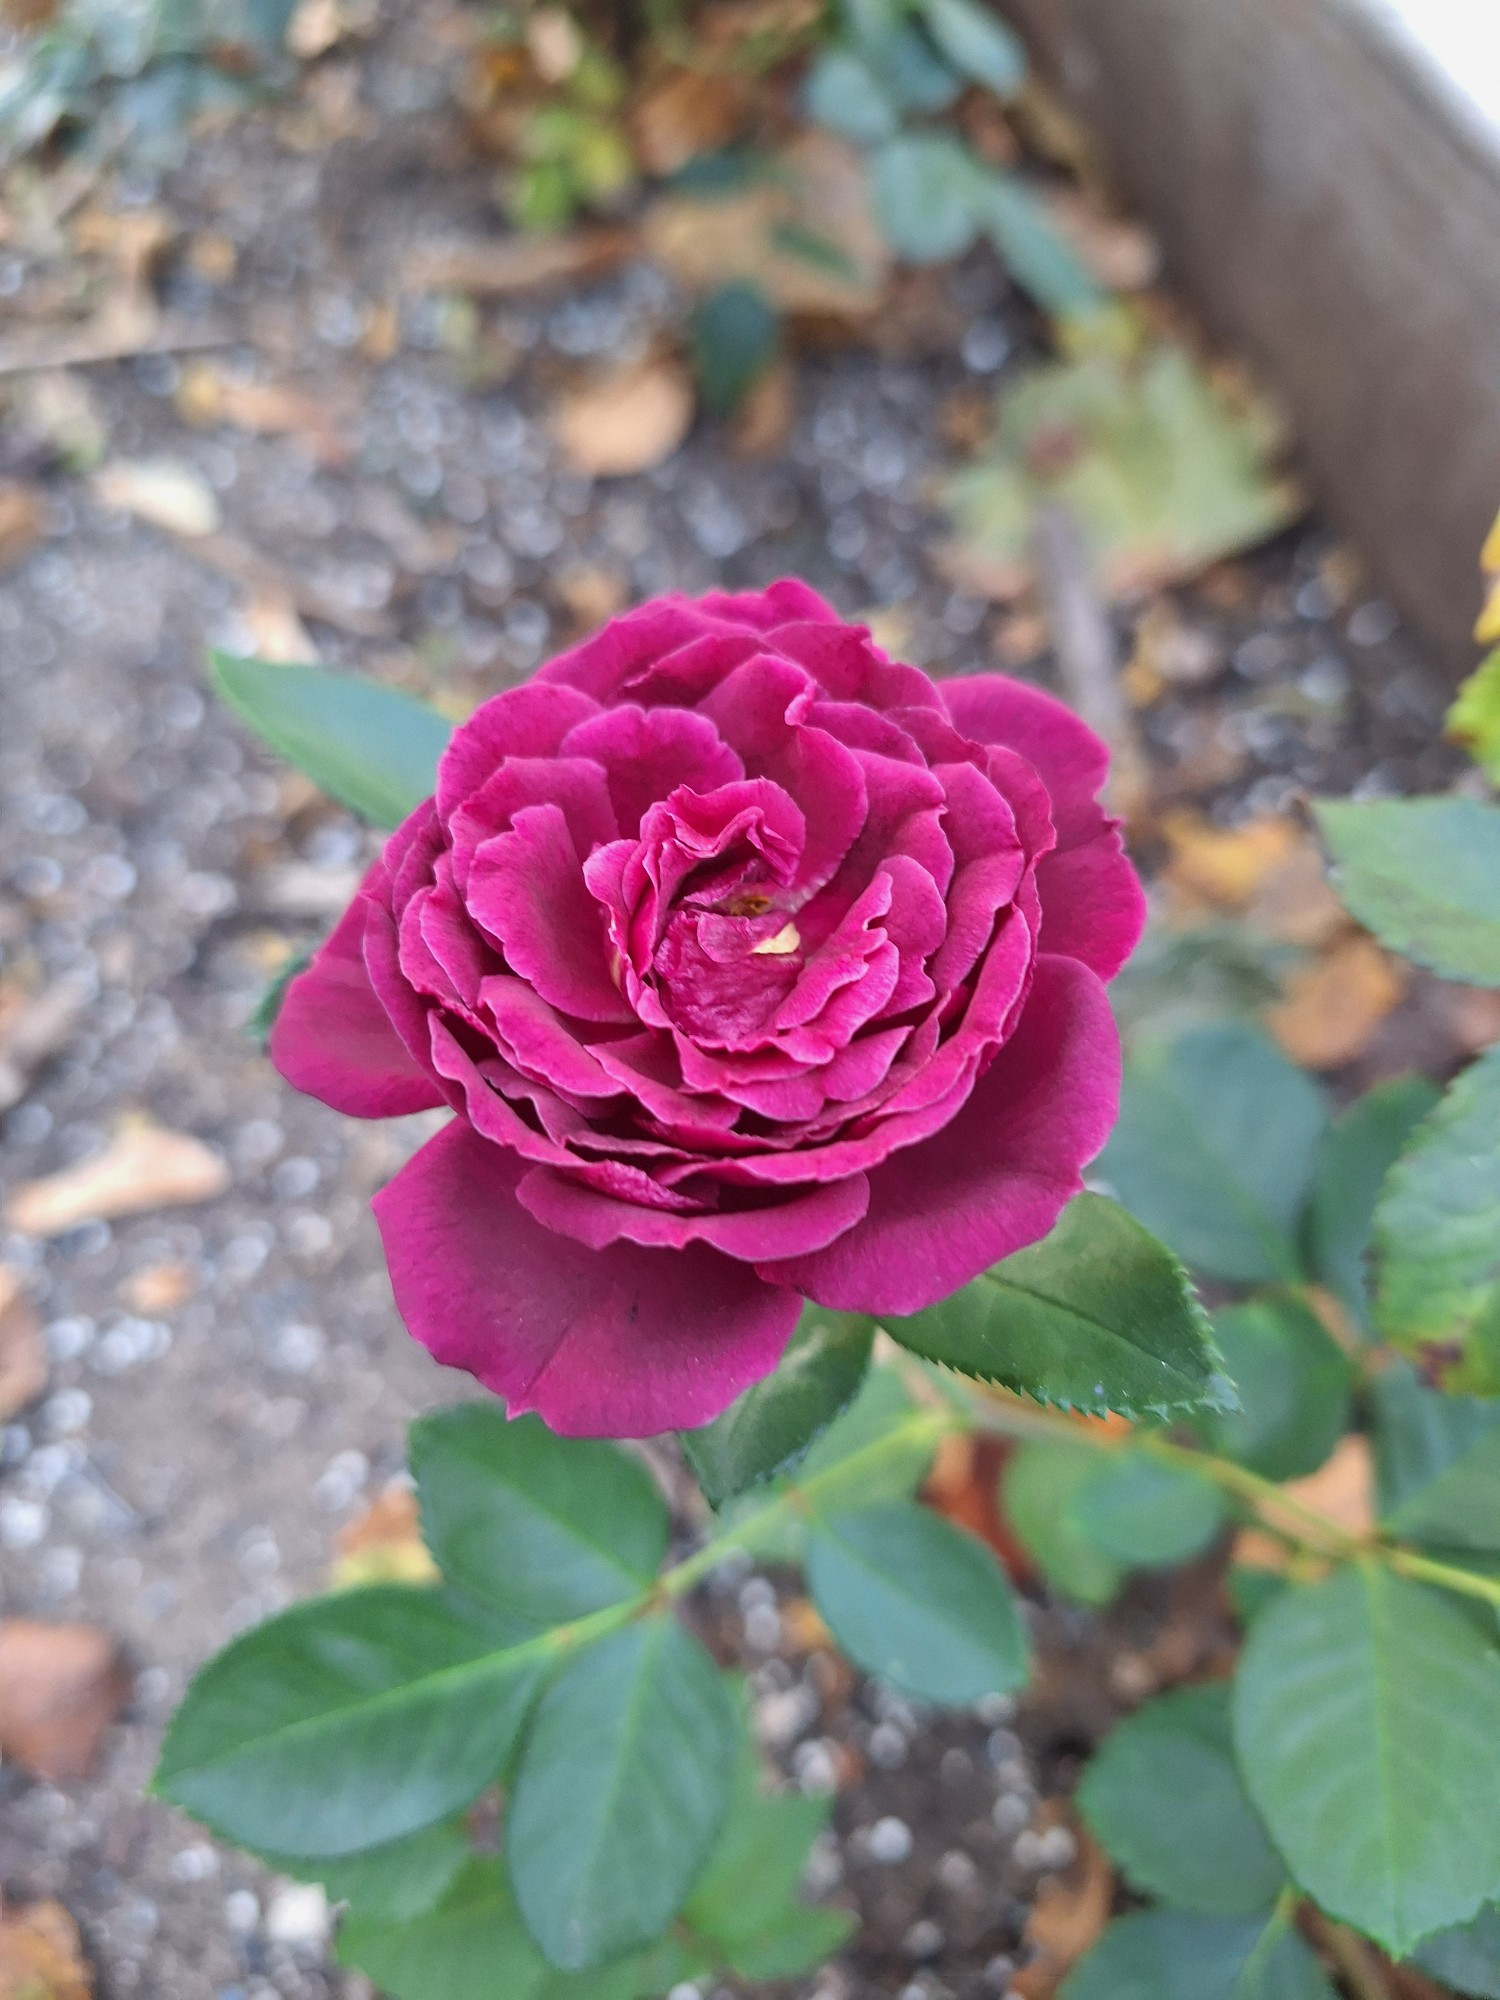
[
  {"x": 23, "y": 1352},
  {"x": 802, "y": 1626},
  {"x": 276, "y": 632},
  {"x": 1070, "y": 1911},
  {"x": 1343, "y": 1487},
  {"x": 1473, "y": 1016},
  {"x": 1123, "y": 255},
  {"x": 496, "y": 268},
  {"x": 591, "y": 594},
  {"x": 157, "y": 1288},
  {"x": 41, "y": 1955},
  {"x": 964, "y": 1486},
  {"x": 1333, "y": 1006},
  {"x": 144, "y": 1166},
  {"x": 163, "y": 491},
  {"x": 626, "y": 420},
  {"x": 763, "y": 422},
  {"x": 682, "y": 114},
  {"x": 23, "y": 521},
  {"x": 207, "y": 394},
  {"x": 34, "y": 1027},
  {"x": 61, "y": 1686},
  {"x": 805, "y": 234},
  {"x": 315, "y": 27},
  {"x": 384, "y": 1545}
]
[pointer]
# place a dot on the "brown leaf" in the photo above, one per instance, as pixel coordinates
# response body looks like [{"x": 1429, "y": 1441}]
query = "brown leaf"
[
  {"x": 41, "y": 1955},
  {"x": 61, "y": 1686},
  {"x": 508, "y": 264},
  {"x": 157, "y": 1288},
  {"x": 384, "y": 1545},
  {"x": 1070, "y": 1912},
  {"x": 1221, "y": 867},
  {"x": 1343, "y": 1487},
  {"x": 805, "y": 234},
  {"x": 1123, "y": 256},
  {"x": 23, "y": 1353},
  {"x": 592, "y": 594},
  {"x": 33, "y": 1027},
  {"x": 143, "y": 1167},
  {"x": 163, "y": 491},
  {"x": 207, "y": 394},
  {"x": 625, "y": 420},
  {"x": 763, "y": 422},
  {"x": 23, "y": 521},
  {"x": 964, "y": 1486},
  {"x": 682, "y": 114},
  {"x": 1333, "y": 1006}
]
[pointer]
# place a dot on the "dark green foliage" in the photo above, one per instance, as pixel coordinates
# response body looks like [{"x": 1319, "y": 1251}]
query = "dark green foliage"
[{"x": 1097, "y": 1317}]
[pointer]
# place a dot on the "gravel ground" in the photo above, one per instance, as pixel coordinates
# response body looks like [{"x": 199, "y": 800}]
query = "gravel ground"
[{"x": 190, "y": 1466}]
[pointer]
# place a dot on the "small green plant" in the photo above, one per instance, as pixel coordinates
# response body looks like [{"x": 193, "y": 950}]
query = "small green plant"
[{"x": 134, "y": 76}]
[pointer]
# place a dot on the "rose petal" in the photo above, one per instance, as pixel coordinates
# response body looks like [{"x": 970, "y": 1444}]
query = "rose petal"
[
  {"x": 528, "y": 891},
  {"x": 997, "y": 1176},
  {"x": 624, "y": 1342},
  {"x": 646, "y": 753},
  {"x": 1072, "y": 760},
  {"x": 334, "y": 1039},
  {"x": 806, "y": 1222},
  {"x": 528, "y": 721}
]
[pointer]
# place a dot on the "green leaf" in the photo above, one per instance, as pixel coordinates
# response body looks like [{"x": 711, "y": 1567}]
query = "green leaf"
[
  {"x": 263, "y": 1020},
  {"x": 843, "y": 95},
  {"x": 772, "y": 1425},
  {"x": 1474, "y": 718},
  {"x": 623, "y": 1785},
  {"x": 1214, "y": 1150},
  {"x": 473, "y": 1946},
  {"x": 1437, "y": 1231},
  {"x": 1367, "y": 1726},
  {"x": 347, "y": 1722},
  {"x": 1035, "y": 252},
  {"x": 1468, "y": 1957},
  {"x": 732, "y": 338},
  {"x": 371, "y": 748},
  {"x": 1424, "y": 876},
  {"x": 1358, "y": 1150},
  {"x": 1161, "y": 472},
  {"x": 402, "y": 1879},
  {"x": 798, "y": 1942},
  {"x": 1252, "y": 1591},
  {"x": 1169, "y": 1955},
  {"x": 758, "y": 1862},
  {"x": 1037, "y": 1489},
  {"x": 977, "y": 44},
  {"x": 880, "y": 1410},
  {"x": 547, "y": 1528},
  {"x": 905, "y": 65},
  {"x": 918, "y": 1602},
  {"x": 1294, "y": 1386},
  {"x": 1438, "y": 1463},
  {"x": 923, "y": 186},
  {"x": 1099, "y": 1316},
  {"x": 1144, "y": 1513},
  {"x": 1165, "y": 1800}
]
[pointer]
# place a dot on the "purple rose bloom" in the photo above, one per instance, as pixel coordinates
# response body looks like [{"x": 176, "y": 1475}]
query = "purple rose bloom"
[{"x": 755, "y": 966}]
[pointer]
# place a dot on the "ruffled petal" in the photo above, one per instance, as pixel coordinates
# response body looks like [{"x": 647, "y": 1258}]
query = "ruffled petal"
[
  {"x": 528, "y": 721},
  {"x": 1072, "y": 760},
  {"x": 1093, "y": 905},
  {"x": 624, "y": 1342},
  {"x": 334, "y": 1039},
  {"x": 528, "y": 891},
  {"x": 564, "y": 1202},
  {"x": 997, "y": 1176}
]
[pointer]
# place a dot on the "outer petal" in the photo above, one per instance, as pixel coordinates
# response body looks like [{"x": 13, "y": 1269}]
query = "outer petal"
[
  {"x": 335, "y": 1040},
  {"x": 1072, "y": 760},
  {"x": 997, "y": 1176},
  {"x": 807, "y": 1222},
  {"x": 621, "y": 1342},
  {"x": 1093, "y": 905}
]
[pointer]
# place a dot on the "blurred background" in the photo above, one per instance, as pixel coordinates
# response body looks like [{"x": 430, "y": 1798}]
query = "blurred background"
[{"x": 1146, "y": 348}]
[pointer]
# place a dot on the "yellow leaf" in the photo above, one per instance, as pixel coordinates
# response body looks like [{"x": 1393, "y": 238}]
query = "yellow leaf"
[
  {"x": 1487, "y": 630},
  {"x": 1333, "y": 1006},
  {"x": 143, "y": 1167},
  {"x": 1474, "y": 719}
]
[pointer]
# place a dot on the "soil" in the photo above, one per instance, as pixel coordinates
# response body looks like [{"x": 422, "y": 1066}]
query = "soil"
[{"x": 189, "y": 1467}]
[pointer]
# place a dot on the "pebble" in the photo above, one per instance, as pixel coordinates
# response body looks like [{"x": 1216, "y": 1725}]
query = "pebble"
[
  {"x": 299, "y": 1915},
  {"x": 889, "y": 1841}
]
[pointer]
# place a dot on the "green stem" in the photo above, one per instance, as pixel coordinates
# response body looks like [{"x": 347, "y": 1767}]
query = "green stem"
[{"x": 1425, "y": 1569}]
